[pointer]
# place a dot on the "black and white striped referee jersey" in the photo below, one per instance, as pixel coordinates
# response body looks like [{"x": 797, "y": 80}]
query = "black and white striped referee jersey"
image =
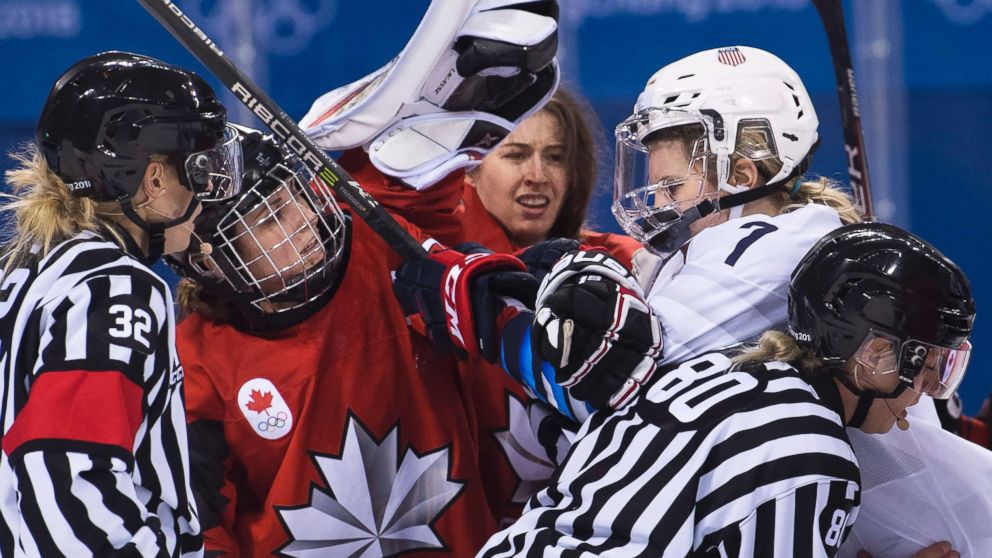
[
  {"x": 95, "y": 457},
  {"x": 710, "y": 462}
]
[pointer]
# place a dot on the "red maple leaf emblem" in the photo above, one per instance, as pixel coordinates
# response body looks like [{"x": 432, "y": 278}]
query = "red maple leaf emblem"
[{"x": 259, "y": 402}]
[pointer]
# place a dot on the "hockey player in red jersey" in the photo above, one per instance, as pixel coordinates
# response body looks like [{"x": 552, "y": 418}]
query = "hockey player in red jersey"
[
  {"x": 320, "y": 421},
  {"x": 535, "y": 185},
  {"x": 317, "y": 421},
  {"x": 549, "y": 156}
]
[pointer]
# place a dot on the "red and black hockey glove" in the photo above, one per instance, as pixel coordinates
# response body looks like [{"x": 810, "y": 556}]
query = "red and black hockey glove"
[
  {"x": 952, "y": 418},
  {"x": 593, "y": 325},
  {"x": 465, "y": 298}
]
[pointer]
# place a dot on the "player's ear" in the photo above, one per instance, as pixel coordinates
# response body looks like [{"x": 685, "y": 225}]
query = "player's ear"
[
  {"x": 471, "y": 175},
  {"x": 152, "y": 183},
  {"x": 744, "y": 173}
]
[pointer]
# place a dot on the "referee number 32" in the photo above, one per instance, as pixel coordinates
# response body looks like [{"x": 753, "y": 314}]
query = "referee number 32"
[{"x": 130, "y": 323}]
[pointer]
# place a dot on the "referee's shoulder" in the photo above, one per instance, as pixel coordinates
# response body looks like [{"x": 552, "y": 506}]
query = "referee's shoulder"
[{"x": 88, "y": 256}]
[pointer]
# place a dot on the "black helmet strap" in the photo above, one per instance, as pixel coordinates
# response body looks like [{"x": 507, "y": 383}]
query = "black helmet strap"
[
  {"x": 156, "y": 231},
  {"x": 865, "y": 397},
  {"x": 861, "y": 411}
]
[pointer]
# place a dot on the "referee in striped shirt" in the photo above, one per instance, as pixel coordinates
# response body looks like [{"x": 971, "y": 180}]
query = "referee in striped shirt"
[
  {"x": 95, "y": 459},
  {"x": 744, "y": 454}
]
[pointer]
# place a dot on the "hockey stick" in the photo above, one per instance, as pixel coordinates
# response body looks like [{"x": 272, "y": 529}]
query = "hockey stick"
[
  {"x": 832, "y": 15},
  {"x": 210, "y": 55}
]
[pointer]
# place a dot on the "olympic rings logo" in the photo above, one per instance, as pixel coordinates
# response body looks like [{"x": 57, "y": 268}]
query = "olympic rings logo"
[
  {"x": 273, "y": 422},
  {"x": 964, "y": 12},
  {"x": 284, "y": 27}
]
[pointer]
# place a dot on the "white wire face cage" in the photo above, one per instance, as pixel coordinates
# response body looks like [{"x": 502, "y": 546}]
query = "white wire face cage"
[
  {"x": 650, "y": 202},
  {"x": 284, "y": 240}
]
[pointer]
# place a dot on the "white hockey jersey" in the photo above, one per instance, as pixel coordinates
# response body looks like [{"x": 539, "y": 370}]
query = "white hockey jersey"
[
  {"x": 730, "y": 284},
  {"x": 921, "y": 486}
]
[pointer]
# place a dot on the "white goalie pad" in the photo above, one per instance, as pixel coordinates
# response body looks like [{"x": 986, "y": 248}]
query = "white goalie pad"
[{"x": 472, "y": 70}]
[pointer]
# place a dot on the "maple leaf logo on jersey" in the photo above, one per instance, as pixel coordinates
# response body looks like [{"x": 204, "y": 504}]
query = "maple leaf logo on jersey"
[
  {"x": 375, "y": 503},
  {"x": 264, "y": 408},
  {"x": 529, "y": 459},
  {"x": 259, "y": 402}
]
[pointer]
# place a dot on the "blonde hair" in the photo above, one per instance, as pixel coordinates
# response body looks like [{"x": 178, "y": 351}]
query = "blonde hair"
[
  {"x": 45, "y": 211},
  {"x": 779, "y": 346}
]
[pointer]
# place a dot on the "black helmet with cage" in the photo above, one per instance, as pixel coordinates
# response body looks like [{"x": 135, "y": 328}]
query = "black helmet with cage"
[
  {"x": 108, "y": 114},
  {"x": 271, "y": 255},
  {"x": 873, "y": 281}
]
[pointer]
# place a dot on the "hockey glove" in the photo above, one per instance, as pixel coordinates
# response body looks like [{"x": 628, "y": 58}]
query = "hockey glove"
[
  {"x": 952, "y": 418},
  {"x": 541, "y": 257},
  {"x": 472, "y": 71},
  {"x": 593, "y": 325},
  {"x": 464, "y": 299}
]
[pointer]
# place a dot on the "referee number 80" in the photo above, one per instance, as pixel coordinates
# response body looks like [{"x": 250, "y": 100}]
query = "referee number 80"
[{"x": 700, "y": 384}]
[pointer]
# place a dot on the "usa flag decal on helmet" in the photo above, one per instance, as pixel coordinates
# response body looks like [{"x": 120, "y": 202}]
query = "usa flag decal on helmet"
[{"x": 730, "y": 56}]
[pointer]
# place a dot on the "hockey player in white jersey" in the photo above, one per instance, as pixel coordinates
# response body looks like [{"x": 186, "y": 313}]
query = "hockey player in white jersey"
[{"x": 709, "y": 177}]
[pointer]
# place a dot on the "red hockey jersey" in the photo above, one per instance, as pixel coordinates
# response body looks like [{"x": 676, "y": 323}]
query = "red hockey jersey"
[
  {"x": 517, "y": 465},
  {"x": 346, "y": 435}
]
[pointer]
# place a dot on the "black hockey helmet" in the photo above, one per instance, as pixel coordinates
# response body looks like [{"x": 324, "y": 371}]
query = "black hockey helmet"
[
  {"x": 874, "y": 279},
  {"x": 282, "y": 202},
  {"x": 107, "y": 114}
]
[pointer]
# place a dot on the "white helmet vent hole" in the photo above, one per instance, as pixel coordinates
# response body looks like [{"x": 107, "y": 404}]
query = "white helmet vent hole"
[{"x": 685, "y": 76}]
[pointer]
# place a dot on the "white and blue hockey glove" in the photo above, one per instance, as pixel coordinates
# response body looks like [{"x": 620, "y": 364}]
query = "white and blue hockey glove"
[
  {"x": 594, "y": 327},
  {"x": 472, "y": 71}
]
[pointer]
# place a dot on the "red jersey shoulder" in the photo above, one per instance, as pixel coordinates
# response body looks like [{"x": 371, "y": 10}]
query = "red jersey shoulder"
[
  {"x": 436, "y": 211},
  {"x": 619, "y": 246}
]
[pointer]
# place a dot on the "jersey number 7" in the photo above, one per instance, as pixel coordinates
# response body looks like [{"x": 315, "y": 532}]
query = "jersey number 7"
[{"x": 760, "y": 229}]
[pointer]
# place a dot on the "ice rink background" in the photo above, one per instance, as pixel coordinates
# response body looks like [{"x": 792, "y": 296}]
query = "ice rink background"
[{"x": 924, "y": 71}]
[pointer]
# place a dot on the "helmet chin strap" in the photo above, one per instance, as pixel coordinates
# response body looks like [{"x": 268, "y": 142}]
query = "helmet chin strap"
[
  {"x": 156, "y": 231},
  {"x": 667, "y": 244},
  {"x": 723, "y": 178},
  {"x": 866, "y": 398}
]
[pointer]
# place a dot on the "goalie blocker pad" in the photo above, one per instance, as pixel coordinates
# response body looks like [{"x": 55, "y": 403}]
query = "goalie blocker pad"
[{"x": 472, "y": 71}]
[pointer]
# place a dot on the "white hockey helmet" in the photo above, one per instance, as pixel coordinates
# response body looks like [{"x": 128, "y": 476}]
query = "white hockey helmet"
[{"x": 723, "y": 92}]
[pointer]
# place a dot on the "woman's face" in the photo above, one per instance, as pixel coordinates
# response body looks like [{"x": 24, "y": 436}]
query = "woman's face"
[
  {"x": 874, "y": 367},
  {"x": 283, "y": 241},
  {"x": 668, "y": 163},
  {"x": 523, "y": 181}
]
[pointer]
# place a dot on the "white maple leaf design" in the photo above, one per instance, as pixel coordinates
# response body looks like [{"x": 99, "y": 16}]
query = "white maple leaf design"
[
  {"x": 372, "y": 506},
  {"x": 527, "y": 456}
]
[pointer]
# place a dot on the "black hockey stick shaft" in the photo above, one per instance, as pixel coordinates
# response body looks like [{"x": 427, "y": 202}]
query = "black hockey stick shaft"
[
  {"x": 286, "y": 129},
  {"x": 832, "y": 15}
]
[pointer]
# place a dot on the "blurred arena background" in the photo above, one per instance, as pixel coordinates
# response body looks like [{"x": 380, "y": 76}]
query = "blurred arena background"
[{"x": 924, "y": 74}]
